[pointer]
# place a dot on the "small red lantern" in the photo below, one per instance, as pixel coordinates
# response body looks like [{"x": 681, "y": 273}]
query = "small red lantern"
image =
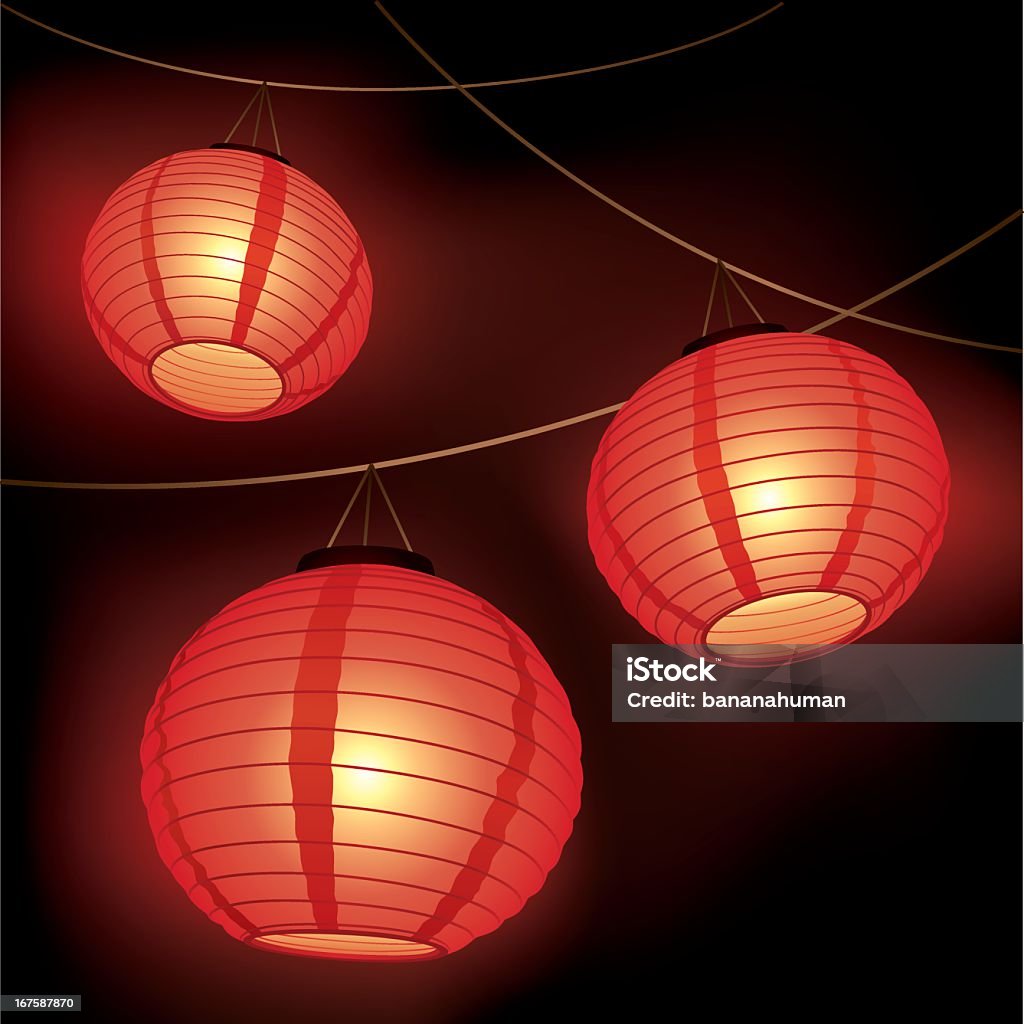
[
  {"x": 768, "y": 496},
  {"x": 226, "y": 284},
  {"x": 360, "y": 761}
]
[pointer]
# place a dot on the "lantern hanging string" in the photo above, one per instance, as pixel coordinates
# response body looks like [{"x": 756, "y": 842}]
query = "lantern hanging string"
[
  {"x": 348, "y": 508},
  {"x": 721, "y": 280},
  {"x": 259, "y": 113},
  {"x": 366, "y": 513},
  {"x": 743, "y": 294},
  {"x": 368, "y": 479},
  {"x": 711, "y": 297},
  {"x": 241, "y": 117},
  {"x": 491, "y": 442},
  {"x": 308, "y": 87},
  {"x": 668, "y": 235},
  {"x": 391, "y": 507},
  {"x": 263, "y": 95},
  {"x": 273, "y": 120}
]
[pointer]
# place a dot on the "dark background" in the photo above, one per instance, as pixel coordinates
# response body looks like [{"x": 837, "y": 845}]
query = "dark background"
[{"x": 836, "y": 148}]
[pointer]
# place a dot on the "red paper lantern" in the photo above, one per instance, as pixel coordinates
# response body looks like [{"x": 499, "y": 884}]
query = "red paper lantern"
[
  {"x": 226, "y": 284},
  {"x": 360, "y": 761},
  {"x": 768, "y": 496}
]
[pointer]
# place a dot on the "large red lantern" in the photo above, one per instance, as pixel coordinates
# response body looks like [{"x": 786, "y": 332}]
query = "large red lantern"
[
  {"x": 360, "y": 761},
  {"x": 226, "y": 284},
  {"x": 768, "y": 496}
]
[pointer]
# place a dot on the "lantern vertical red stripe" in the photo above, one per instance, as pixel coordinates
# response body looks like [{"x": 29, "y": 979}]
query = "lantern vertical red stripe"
[
  {"x": 713, "y": 481},
  {"x": 503, "y": 807},
  {"x": 266, "y": 227},
  {"x": 310, "y": 756},
  {"x": 331, "y": 317},
  {"x": 149, "y": 260},
  {"x": 768, "y": 496},
  {"x": 367, "y": 762},
  {"x": 227, "y": 284},
  {"x": 856, "y": 518}
]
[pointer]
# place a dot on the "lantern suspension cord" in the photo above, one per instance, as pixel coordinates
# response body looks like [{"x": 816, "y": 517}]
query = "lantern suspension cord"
[
  {"x": 711, "y": 298},
  {"x": 348, "y": 507},
  {"x": 675, "y": 239},
  {"x": 721, "y": 279},
  {"x": 391, "y": 507},
  {"x": 273, "y": 120},
  {"x": 259, "y": 113},
  {"x": 463, "y": 449},
  {"x": 366, "y": 511},
  {"x": 369, "y": 478},
  {"x": 743, "y": 294},
  {"x": 241, "y": 117},
  {"x": 263, "y": 95},
  {"x": 725, "y": 299},
  {"x": 393, "y": 88}
]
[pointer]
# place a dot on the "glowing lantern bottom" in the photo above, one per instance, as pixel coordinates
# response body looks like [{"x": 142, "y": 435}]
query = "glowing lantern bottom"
[{"x": 360, "y": 761}]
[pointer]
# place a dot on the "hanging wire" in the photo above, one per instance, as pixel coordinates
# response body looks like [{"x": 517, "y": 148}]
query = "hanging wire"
[
  {"x": 393, "y": 88},
  {"x": 841, "y": 314},
  {"x": 668, "y": 235},
  {"x": 463, "y": 87},
  {"x": 491, "y": 442},
  {"x": 900, "y": 285}
]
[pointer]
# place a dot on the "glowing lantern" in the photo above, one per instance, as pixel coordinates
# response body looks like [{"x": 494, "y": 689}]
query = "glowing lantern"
[
  {"x": 226, "y": 284},
  {"x": 360, "y": 761},
  {"x": 768, "y": 496}
]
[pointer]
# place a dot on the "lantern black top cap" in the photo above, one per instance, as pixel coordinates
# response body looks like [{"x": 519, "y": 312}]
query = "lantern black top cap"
[
  {"x": 251, "y": 149},
  {"x": 728, "y": 333},
  {"x": 365, "y": 554}
]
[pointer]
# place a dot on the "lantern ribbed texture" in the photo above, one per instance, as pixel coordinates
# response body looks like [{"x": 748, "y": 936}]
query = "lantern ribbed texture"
[
  {"x": 360, "y": 762},
  {"x": 768, "y": 497},
  {"x": 226, "y": 284}
]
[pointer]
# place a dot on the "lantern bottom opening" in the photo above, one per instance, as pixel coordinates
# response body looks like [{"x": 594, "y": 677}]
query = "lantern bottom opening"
[
  {"x": 346, "y": 946},
  {"x": 793, "y": 626},
  {"x": 220, "y": 380}
]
